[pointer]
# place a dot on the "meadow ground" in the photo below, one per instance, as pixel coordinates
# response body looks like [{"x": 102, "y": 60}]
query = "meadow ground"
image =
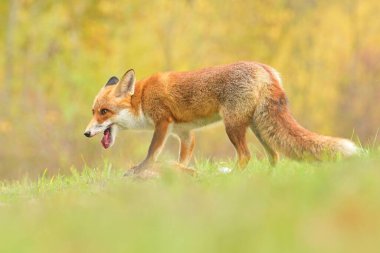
[{"x": 294, "y": 207}]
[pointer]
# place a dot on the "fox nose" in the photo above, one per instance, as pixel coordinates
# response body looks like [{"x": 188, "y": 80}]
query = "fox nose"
[{"x": 87, "y": 134}]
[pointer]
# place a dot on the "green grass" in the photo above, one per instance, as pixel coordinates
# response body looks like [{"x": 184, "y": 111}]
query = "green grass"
[{"x": 294, "y": 207}]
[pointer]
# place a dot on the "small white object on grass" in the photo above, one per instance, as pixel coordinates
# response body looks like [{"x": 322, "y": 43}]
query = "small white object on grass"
[{"x": 224, "y": 170}]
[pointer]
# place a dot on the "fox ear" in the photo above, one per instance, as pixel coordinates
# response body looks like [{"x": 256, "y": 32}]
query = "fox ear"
[
  {"x": 127, "y": 84},
  {"x": 113, "y": 80}
]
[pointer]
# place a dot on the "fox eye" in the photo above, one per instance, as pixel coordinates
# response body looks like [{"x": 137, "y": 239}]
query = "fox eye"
[
  {"x": 93, "y": 111},
  {"x": 103, "y": 111}
]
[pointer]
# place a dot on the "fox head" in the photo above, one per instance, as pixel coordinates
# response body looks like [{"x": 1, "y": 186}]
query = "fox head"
[{"x": 111, "y": 108}]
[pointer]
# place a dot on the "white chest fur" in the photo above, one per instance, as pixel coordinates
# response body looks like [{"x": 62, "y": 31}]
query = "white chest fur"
[{"x": 129, "y": 120}]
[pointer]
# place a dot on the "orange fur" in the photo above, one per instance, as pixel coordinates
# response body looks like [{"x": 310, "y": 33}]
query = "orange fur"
[{"x": 243, "y": 94}]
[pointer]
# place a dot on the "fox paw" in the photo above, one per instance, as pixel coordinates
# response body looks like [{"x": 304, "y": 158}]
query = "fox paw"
[
  {"x": 135, "y": 170},
  {"x": 141, "y": 172},
  {"x": 129, "y": 173}
]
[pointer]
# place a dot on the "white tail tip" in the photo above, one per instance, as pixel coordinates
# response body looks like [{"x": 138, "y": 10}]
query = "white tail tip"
[{"x": 347, "y": 147}]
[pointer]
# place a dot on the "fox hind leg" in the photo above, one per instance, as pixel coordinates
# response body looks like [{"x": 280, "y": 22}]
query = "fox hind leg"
[
  {"x": 236, "y": 134},
  {"x": 272, "y": 154}
]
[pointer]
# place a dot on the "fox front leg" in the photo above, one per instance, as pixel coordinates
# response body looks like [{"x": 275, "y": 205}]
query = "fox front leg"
[
  {"x": 160, "y": 135},
  {"x": 187, "y": 141}
]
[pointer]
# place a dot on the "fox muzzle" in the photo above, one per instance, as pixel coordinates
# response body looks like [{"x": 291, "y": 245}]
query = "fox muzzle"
[{"x": 87, "y": 134}]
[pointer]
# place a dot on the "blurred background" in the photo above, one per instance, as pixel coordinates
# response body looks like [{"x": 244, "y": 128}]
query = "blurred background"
[{"x": 58, "y": 54}]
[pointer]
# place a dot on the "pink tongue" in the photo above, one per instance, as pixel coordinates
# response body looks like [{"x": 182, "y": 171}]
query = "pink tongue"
[{"x": 106, "y": 140}]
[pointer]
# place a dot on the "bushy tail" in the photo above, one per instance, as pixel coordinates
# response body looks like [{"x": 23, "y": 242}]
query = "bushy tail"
[{"x": 277, "y": 129}]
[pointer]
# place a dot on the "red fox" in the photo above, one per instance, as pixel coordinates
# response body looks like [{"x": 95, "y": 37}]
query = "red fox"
[{"x": 243, "y": 95}]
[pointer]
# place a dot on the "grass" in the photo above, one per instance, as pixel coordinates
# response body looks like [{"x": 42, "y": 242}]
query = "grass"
[{"x": 294, "y": 207}]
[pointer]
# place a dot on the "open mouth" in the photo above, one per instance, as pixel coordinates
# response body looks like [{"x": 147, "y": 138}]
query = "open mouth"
[{"x": 107, "y": 138}]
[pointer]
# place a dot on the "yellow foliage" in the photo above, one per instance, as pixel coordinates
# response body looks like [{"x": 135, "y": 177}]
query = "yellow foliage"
[{"x": 59, "y": 53}]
